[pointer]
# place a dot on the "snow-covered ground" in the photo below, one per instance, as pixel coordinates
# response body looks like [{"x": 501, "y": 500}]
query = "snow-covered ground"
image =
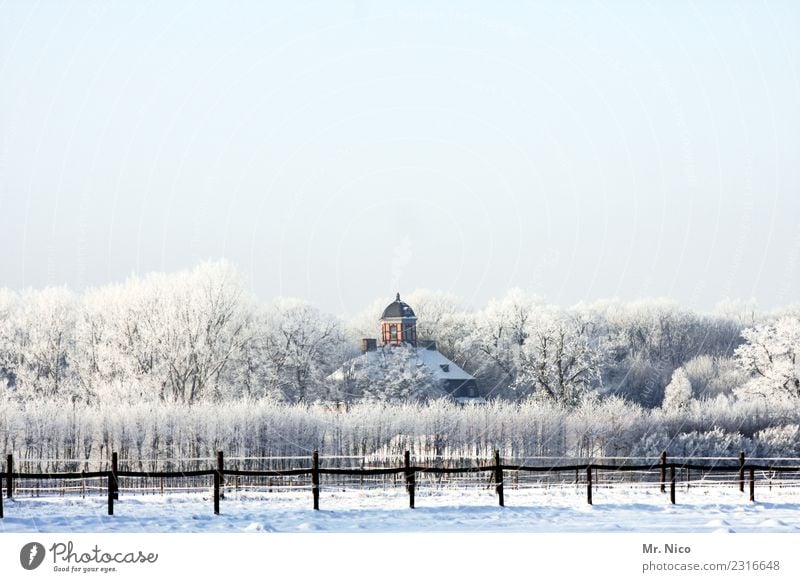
[{"x": 617, "y": 509}]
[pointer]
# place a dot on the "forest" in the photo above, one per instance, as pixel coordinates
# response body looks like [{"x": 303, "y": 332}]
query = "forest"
[{"x": 173, "y": 365}]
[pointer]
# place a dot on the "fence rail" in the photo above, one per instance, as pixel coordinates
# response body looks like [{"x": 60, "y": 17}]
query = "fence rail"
[{"x": 591, "y": 471}]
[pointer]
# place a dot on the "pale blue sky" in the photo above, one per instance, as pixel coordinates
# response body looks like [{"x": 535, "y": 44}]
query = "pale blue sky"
[{"x": 341, "y": 151}]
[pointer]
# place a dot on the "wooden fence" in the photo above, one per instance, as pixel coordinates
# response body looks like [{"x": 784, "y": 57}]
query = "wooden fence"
[{"x": 665, "y": 470}]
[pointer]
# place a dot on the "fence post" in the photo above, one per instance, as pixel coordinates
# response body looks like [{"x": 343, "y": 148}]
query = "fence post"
[
  {"x": 217, "y": 481},
  {"x": 9, "y": 476},
  {"x": 110, "y": 493},
  {"x": 498, "y": 477},
  {"x": 672, "y": 484},
  {"x": 741, "y": 471},
  {"x": 315, "y": 478},
  {"x": 589, "y": 484},
  {"x": 115, "y": 483},
  {"x": 752, "y": 487},
  {"x": 663, "y": 471},
  {"x": 410, "y": 479},
  {"x": 1, "y": 500},
  {"x": 221, "y": 471}
]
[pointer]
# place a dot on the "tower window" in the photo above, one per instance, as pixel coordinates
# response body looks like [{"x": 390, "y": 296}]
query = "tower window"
[{"x": 393, "y": 332}]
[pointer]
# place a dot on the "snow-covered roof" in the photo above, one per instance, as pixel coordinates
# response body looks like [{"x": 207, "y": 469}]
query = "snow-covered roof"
[{"x": 440, "y": 366}]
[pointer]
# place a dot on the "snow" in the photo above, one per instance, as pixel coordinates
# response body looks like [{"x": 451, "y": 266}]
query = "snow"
[
  {"x": 434, "y": 360},
  {"x": 557, "y": 509}
]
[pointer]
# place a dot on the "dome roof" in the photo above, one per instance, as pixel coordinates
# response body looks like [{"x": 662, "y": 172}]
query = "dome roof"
[{"x": 398, "y": 308}]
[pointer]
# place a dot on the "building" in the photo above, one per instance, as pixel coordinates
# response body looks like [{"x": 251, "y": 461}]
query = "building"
[
  {"x": 398, "y": 328},
  {"x": 398, "y": 324}
]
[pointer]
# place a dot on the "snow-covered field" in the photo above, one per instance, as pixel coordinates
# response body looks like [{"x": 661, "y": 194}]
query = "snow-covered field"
[{"x": 617, "y": 509}]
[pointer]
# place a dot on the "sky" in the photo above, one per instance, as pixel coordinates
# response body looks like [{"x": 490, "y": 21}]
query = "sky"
[{"x": 343, "y": 151}]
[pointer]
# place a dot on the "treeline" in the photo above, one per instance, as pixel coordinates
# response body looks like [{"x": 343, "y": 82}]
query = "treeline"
[
  {"x": 198, "y": 336},
  {"x": 50, "y": 437},
  {"x": 173, "y": 366}
]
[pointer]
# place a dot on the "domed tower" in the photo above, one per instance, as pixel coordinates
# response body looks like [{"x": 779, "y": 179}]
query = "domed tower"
[{"x": 398, "y": 324}]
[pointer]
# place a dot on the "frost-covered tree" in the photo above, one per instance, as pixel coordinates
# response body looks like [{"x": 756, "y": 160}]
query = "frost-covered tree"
[
  {"x": 559, "y": 360},
  {"x": 608, "y": 426},
  {"x": 37, "y": 341},
  {"x": 712, "y": 443},
  {"x": 498, "y": 335},
  {"x": 292, "y": 349},
  {"x": 742, "y": 313},
  {"x": 205, "y": 322},
  {"x": 9, "y": 306},
  {"x": 117, "y": 344},
  {"x": 678, "y": 393},
  {"x": 647, "y": 340},
  {"x": 177, "y": 332},
  {"x": 539, "y": 349},
  {"x": 777, "y": 441},
  {"x": 771, "y": 355},
  {"x": 711, "y": 376}
]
